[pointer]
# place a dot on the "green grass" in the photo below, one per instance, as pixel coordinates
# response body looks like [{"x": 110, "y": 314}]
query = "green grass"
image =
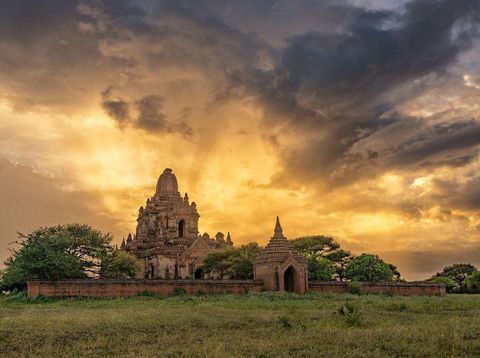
[{"x": 255, "y": 325}]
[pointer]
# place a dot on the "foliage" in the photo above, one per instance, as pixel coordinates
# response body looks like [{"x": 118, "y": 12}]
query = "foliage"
[
  {"x": 179, "y": 291},
  {"x": 458, "y": 273},
  {"x": 319, "y": 248},
  {"x": 285, "y": 321},
  {"x": 354, "y": 287},
  {"x": 320, "y": 268},
  {"x": 367, "y": 267},
  {"x": 315, "y": 245},
  {"x": 351, "y": 314},
  {"x": 119, "y": 264},
  {"x": 236, "y": 263},
  {"x": 147, "y": 293},
  {"x": 55, "y": 253},
  {"x": 450, "y": 285},
  {"x": 473, "y": 281}
]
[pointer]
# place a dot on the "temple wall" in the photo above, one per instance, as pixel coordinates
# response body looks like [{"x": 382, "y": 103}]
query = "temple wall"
[
  {"x": 117, "y": 288},
  {"x": 393, "y": 288}
]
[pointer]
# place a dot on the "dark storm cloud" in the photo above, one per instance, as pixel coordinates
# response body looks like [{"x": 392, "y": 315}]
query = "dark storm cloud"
[
  {"x": 150, "y": 116},
  {"x": 330, "y": 75},
  {"x": 116, "y": 108},
  {"x": 346, "y": 85},
  {"x": 463, "y": 195}
]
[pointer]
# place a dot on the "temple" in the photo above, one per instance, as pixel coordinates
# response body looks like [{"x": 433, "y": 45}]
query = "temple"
[
  {"x": 167, "y": 238},
  {"x": 280, "y": 266}
]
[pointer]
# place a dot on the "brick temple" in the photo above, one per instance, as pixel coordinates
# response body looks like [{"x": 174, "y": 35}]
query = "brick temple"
[{"x": 167, "y": 238}]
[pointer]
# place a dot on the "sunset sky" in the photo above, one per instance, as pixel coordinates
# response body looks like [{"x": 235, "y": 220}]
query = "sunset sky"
[{"x": 358, "y": 119}]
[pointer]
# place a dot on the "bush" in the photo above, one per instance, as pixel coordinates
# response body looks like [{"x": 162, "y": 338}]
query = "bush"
[
  {"x": 351, "y": 314},
  {"x": 17, "y": 296},
  {"x": 146, "y": 294},
  {"x": 178, "y": 291},
  {"x": 285, "y": 321},
  {"x": 354, "y": 287}
]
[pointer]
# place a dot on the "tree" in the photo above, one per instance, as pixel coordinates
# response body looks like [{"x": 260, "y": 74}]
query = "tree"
[
  {"x": 458, "y": 273},
  {"x": 450, "y": 285},
  {"x": 54, "y": 253},
  {"x": 236, "y": 263},
  {"x": 473, "y": 281},
  {"x": 318, "y": 248},
  {"x": 367, "y": 267},
  {"x": 320, "y": 268},
  {"x": 119, "y": 264}
]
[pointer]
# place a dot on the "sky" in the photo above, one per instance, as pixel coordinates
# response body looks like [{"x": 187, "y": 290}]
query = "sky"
[{"x": 355, "y": 119}]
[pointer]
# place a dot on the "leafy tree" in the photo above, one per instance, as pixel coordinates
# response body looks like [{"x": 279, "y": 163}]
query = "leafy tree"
[
  {"x": 237, "y": 263},
  {"x": 219, "y": 261},
  {"x": 320, "y": 268},
  {"x": 367, "y": 267},
  {"x": 451, "y": 286},
  {"x": 473, "y": 281},
  {"x": 458, "y": 273},
  {"x": 55, "y": 253},
  {"x": 316, "y": 245},
  {"x": 119, "y": 264},
  {"x": 318, "y": 248}
]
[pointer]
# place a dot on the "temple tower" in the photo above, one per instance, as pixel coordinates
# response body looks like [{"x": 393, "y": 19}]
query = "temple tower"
[
  {"x": 168, "y": 216},
  {"x": 280, "y": 266}
]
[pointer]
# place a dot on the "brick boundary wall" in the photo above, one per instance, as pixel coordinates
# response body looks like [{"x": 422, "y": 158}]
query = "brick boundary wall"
[
  {"x": 393, "y": 288},
  {"x": 116, "y": 288}
]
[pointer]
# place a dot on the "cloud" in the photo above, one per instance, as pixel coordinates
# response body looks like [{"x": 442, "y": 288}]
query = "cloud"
[
  {"x": 149, "y": 118},
  {"x": 362, "y": 115},
  {"x": 116, "y": 108},
  {"x": 342, "y": 92}
]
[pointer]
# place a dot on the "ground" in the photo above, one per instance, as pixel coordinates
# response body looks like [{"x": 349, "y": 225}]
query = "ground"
[{"x": 262, "y": 325}]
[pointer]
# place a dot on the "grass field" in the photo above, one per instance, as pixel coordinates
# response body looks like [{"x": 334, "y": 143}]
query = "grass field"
[{"x": 256, "y": 325}]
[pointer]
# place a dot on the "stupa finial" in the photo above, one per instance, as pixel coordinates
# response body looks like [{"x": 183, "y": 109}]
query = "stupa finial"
[{"x": 278, "y": 228}]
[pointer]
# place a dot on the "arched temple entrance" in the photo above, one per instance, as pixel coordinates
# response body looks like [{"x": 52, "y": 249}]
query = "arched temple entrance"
[
  {"x": 199, "y": 274},
  {"x": 289, "y": 280},
  {"x": 280, "y": 266},
  {"x": 181, "y": 228}
]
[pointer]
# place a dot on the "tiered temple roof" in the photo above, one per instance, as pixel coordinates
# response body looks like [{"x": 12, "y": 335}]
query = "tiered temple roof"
[{"x": 279, "y": 248}]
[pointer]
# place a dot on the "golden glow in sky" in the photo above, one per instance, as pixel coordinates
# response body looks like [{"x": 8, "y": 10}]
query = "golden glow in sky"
[{"x": 339, "y": 131}]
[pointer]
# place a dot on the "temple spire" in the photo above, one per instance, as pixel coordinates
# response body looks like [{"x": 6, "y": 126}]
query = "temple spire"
[{"x": 278, "y": 229}]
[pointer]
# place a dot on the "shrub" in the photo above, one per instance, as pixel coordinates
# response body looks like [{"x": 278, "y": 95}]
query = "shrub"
[
  {"x": 285, "y": 321},
  {"x": 146, "y": 294},
  {"x": 471, "y": 333},
  {"x": 178, "y": 291},
  {"x": 351, "y": 314},
  {"x": 354, "y": 287},
  {"x": 17, "y": 296}
]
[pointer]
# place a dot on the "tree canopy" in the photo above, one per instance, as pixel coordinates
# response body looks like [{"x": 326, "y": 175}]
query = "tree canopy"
[
  {"x": 473, "y": 281},
  {"x": 236, "y": 263},
  {"x": 326, "y": 259},
  {"x": 367, "y": 267},
  {"x": 71, "y": 251},
  {"x": 458, "y": 273},
  {"x": 119, "y": 264}
]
